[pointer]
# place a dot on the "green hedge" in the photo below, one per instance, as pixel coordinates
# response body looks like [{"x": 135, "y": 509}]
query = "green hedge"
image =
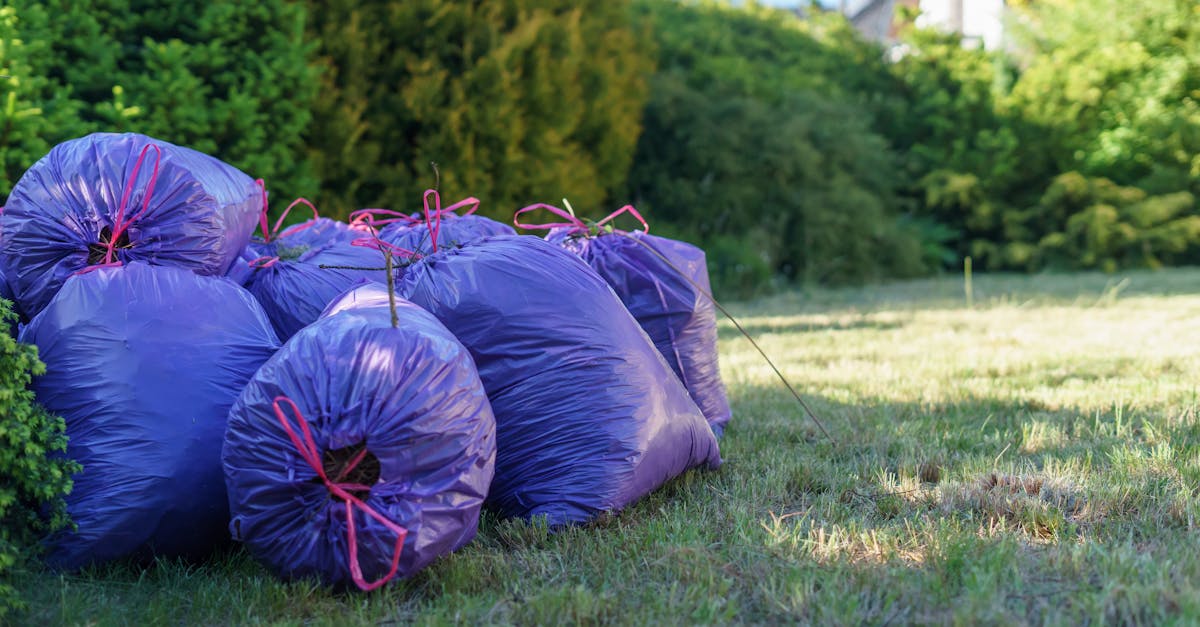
[
  {"x": 1076, "y": 151},
  {"x": 759, "y": 144},
  {"x": 225, "y": 77},
  {"x": 790, "y": 148},
  {"x": 36, "y": 109},
  {"x": 518, "y": 101}
]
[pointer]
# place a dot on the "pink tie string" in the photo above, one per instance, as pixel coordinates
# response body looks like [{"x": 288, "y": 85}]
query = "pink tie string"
[
  {"x": 262, "y": 215},
  {"x": 573, "y": 224},
  {"x": 307, "y": 448},
  {"x": 379, "y": 217},
  {"x": 295, "y": 228},
  {"x": 120, "y": 222},
  {"x": 363, "y": 218},
  {"x": 431, "y": 217},
  {"x": 273, "y": 233},
  {"x": 375, "y": 243}
]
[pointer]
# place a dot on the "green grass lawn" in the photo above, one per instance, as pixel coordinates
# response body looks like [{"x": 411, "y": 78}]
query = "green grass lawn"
[{"x": 1034, "y": 458}]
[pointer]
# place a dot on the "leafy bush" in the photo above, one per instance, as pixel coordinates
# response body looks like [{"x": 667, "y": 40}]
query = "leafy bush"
[
  {"x": 1116, "y": 83},
  {"x": 517, "y": 100},
  {"x": 1094, "y": 223},
  {"x": 1078, "y": 151},
  {"x": 34, "y": 476},
  {"x": 968, "y": 160},
  {"x": 756, "y": 133}
]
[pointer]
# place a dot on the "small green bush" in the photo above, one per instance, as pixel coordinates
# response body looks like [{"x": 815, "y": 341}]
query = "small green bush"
[
  {"x": 1074, "y": 147},
  {"x": 1116, "y": 85},
  {"x": 34, "y": 475},
  {"x": 1095, "y": 223}
]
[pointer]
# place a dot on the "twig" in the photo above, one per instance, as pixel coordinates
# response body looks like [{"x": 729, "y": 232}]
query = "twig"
[
  {"x": 391, "y": 288},
  {"x": 364, "y": 269},
  {"x": 997, "y": 460}
]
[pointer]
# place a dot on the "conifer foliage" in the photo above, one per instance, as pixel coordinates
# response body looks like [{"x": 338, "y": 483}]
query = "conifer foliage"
[
  {"x": 517, "y": 101},
  {"x": 34, "y": 476},
  {"x": 225, "y": 77}
]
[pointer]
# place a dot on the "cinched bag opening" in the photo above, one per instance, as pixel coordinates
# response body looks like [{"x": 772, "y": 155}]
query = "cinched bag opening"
[
  {"x": 98, "y": 250},
  {"x": 353, "y": 464}
]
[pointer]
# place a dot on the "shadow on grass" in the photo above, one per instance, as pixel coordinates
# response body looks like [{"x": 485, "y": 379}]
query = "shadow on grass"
[
  {"x": 983, "y": 497},
  {"x": 790, "y": 510}
]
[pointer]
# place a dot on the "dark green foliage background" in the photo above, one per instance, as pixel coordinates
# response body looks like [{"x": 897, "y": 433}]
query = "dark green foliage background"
[
  {"x": 1077, "y": 149},
  {"x": 229, "y": 78},
  {"x": 792, "y": 150},
  {"x": 517, "y": 101},
  {"x": 759, "y": 145}
]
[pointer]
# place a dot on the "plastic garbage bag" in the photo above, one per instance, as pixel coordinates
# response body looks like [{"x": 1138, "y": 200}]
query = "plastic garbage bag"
[
  {"x": 296, "y": 273},
  {"x": 360, "y": 444},
  {"x": 107, "y": 199},
  {"x": 143, "y": 363},
  {"x": 664, "y": 284},
  {"x": 589, "y": 417}
]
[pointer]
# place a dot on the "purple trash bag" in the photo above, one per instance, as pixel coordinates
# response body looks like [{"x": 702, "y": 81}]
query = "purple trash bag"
[
  {"x": 664, "y": 284},
  {"x": 143, "y": 363},
  {"x": 436, "y": 227},
  {"x": 107, "y": 199},
  {"x": 589, "y": 417},
  {"x": 296, "y": 273},
  {"x": 317, "y": 231},
  {"x": 360, "y": 443}
]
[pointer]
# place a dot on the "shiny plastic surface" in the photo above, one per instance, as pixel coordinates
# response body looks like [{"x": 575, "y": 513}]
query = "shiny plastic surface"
[
  {"x": 589, "y": 417},
  {"x": 295, "y": 288},
  {"x": 678, "y": 317},
  {"x": 410, "y": 394},
  {"x": 200, "y": 215},
  {"x": 143, "y": 363}
]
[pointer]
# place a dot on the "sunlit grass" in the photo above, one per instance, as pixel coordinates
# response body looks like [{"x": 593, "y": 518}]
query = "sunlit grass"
[{"x": 1034, "y": 458}]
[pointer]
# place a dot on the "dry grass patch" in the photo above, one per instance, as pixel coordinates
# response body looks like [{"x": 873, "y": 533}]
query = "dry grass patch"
[{"x": 1039, "y": 506}]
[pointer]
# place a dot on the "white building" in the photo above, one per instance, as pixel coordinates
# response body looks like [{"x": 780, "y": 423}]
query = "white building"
[{"x": 980, "y": 22}]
